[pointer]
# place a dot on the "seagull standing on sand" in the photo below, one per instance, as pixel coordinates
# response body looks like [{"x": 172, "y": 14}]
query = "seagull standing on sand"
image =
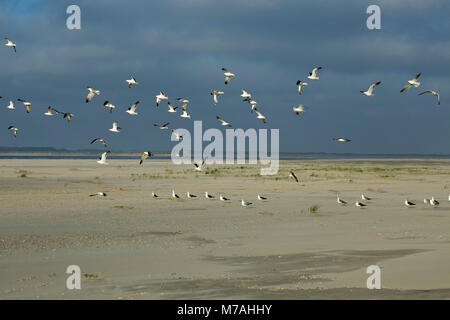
[
  {"x": 340, "y": 201},
  {"x": 434, "y": 203},
  {"x": 369, "y": 91},
  {"x": 103, "y": 158},
  {"x": 434, "y": 93},
  {"x": 300, "y": 84},
  {"x": 412, "y": 82},
  {"x": 223, "y": 122},
  {"x": 49, "y": 112},
  {"x": 409, "y": 204},
  {"x": 131, "y": 82},
  {"x": 215, "y": 94},
  {"x": 365, "y": 198},
  {"x": 174, "y": 195},
  {"x": 145, "y": 155},
  {"x": 132, "y": 110},
  {"x": 27, "y": 104},
  {"x": 161, "y": 96},
  {"x": 9, "y": 43},
  {"x": 300, "y": 109},
  {"x": 360, "y": 204},
  {"x": 426, "y": 201},
  {"x": 190, "y": 195},
  {"x": 228, "y": 75},
  {"x": 11, "y": 105},
  {"x": 100, "y": 140},
  {"x": 313, "y": 74},
  {"x": 223, "y": 199},
  {"x": 109, "y": 105},
  {"x": 245, "y": 203},
  {"x": 115, "y": 128},
  {"x": 102, "y": 194},
  {"x": 13, "y": 129},
  {"x": 92, "y": 93},
  {"x": 154, "y": 195},
  {"x": 293, "y": 176},
  {"x": 208, "y": 196},
  {"x": 261, "y": 198}
]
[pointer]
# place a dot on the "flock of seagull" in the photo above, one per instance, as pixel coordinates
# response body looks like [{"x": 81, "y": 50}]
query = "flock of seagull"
[{"x": 247, "y": 97}]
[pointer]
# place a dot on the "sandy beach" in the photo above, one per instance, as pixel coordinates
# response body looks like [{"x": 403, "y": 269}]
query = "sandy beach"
[{"x": 299, "y": 244}]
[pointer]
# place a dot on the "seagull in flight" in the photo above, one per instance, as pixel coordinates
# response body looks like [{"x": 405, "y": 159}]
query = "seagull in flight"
[
  {"x": 293, "y": 176},
  {"x": 224, "y": 123},
  {"x": 27, "y": 104},
  {"x": 215, "y": 94},
  {"x": 109, "y": 105},
  {"x": 100, "y": 140},
  {"x": 13, "y": 129},
  {"x": 11, "y": 105},
  {"x": 412, "y": 82},
  {"x": 171, "y": 108},
  {"x": 260, "y": 116},
  {"x": 185, "y": 114},
  {"x": 313, "y": 74},
  {"x": 245, "y": 94},
  {"x": 102, "y": 194},
  {"x": 162, "y": 127},
  {"x": 103, "y": 158},
  {"x": 9, "y": 43},
  {"x": 49, "y": 112},
  {"x": 91, "y": 93},
  {"x": 183, "y": 101},
  {"x": 131, "y": 82},
  {"x": 409, "y": 204},
  {"x": 434, "y": 93},
  {"x": 208, "y": 196},
  {"x": 300, "y": 109},
  {"x": 252, "y": 102},
  {"x": 178, "y": 137},
  {"x": 369, "y": 91},
  {"x": 228, "y": 75},
  {"x": 115, "y": 128},
  {"x": 199, "y": 167},
  {"x": 159, "y": 97},
  {"x": 342, "y": 139},
  {"x": 145, "y": 155},
  {"x": 132, "y": 110},
  {"x": 66, "y": 115},
  {"x": 300, "y": 84}
]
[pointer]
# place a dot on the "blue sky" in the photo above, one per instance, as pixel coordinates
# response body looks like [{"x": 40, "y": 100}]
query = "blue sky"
[{"x": 179, "y": 47}]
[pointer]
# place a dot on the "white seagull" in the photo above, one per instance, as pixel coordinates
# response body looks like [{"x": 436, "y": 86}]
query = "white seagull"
[
  {"x": 27, "y": 104},
  {"x": 13, "y": 129},
  {"x": 9, "y": 43},
  {"x": 100, "y": 140},
  {"x": 154, "y": 195},
  {"x": 171, "y": 108},
  {"x": 145, "y": 155},
  {"x": 102, "y": 194},
  {"x": 228, "y": 75},
  {"x": 92, "y": 93},
  {"x": 313, "y": 74},
  {"x": 159, "y": 97},
  {"x": 293, "y": 176},
  {"x": 163, "y": 126},
  {"x": 174, "y": 195},
  {"x": 434, "y": 93},
  {"x": 66, "y": 115},
  {"x": 131, "y": 82},
  {"x": 360, "y": 204},
  {"x": 223, "y": 199},
  {"x": 132, "y": 110},
  {"x": 109, "y": 105},
  {"x": 340, "y": 201},
  {"x": 49, "y": 112},
  {"x": 426, "y": 201},
  {"x": 300, "y": 84},
  {"x": 224, "y": 123},
  {"x": 260, "y": 116},
  {"x": 369, "y": 91},
  {"x": 103, "y": 158},
  {"x": 177, "y": 136},
  {"x": 261, "y": 198},
  {"x": 365, "y": 198},
  {"x": 199, "y": 167},
  {"x": 300, "y": 109},
  {"x": 245, "y": 203},
  {"x": 245, "y": 94},
  {"x": 183, "y": 101},
  {"x": 434, "y": 202},
  {"x": 185, "y": 114},
  {"x": 11, "y": 105},
  {"x": 115, "y": 128},
  {"x": 190, "y": 195},
  {"x": 412, "y": 82},
  {"x": 342, "y": 139},
  {"x": 252, "y": 102},
  {"x": 215, "y": 94},
  {"x": 208, "y": 196},
  {"x": 409, "y": 204}
]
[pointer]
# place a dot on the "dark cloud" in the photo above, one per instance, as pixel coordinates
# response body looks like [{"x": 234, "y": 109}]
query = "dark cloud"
[{"x": 179, "y": 47}]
